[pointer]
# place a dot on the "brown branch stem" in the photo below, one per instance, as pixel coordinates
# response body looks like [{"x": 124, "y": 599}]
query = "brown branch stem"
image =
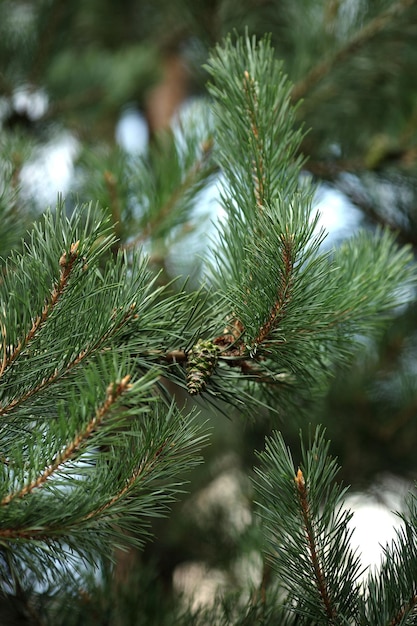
[
  {"x": 233, "y": 356},
  {"x": 319, "y": 575},
  {"x": 39, "y": 534}
]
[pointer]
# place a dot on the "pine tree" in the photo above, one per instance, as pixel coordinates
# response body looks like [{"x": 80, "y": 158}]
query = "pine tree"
[{"x": 103, "y": 355}]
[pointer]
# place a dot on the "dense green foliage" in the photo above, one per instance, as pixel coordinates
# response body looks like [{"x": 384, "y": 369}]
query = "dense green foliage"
[{"x": 117, "y": 378}]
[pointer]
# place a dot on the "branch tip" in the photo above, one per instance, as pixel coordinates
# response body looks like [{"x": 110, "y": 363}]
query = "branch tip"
[
  {"x": 124, "y": 382},
  {"x": 65, "y": 259},
  {"x": 300, "y": 480},
  {"x": 114, "y": 389}
]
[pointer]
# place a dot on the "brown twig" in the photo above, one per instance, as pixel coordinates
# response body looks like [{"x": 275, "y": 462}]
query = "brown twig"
[
  {"x": 39, "y": 534},
  {"x": 319, "y": 575}
]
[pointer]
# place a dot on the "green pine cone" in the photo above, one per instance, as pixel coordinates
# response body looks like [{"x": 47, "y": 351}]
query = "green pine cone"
[{"x": 202, "y": 361}]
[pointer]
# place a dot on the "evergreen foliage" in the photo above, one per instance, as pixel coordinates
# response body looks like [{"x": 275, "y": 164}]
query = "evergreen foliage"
[
  {"x": 112, "y": 369},
  {"x": 79, "y": 456},
  {"x": 309, "y": 533}
]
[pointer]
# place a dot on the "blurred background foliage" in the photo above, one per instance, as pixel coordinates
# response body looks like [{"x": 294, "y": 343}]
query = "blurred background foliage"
[{"x": 89, "y": 96}]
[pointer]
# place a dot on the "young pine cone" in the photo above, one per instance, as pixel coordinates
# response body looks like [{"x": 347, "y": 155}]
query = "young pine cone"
[{"x": 201, "y": 363}]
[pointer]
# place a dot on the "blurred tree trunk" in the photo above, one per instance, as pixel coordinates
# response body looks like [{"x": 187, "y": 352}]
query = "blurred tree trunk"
[{"x": 165, "y": 98}]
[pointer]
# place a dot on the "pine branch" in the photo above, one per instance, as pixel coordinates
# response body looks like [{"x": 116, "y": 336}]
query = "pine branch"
[
  {"x": 153, "y": 198},
  {"x": 114, "y": 390},
  {"x": 392, "y": 592},
  {"x": 250, "y": 90},
  {"x": 55, "y": 510},
  {"x": 45, "y": 340},
  {"x": 308, "y": 523},
  {"x": 353, "y": 46},
  {"x": 146, "y": 466},
  {"x": 307, "y": 532},
  {"x": 58, "y": 374},
  {"x": 404, "y": 612},
  {"x": 285, "y": 288},
  {"x": 66, "y": 263},
  {"x": 288, "y": 302},
  {"x": 92, "y": 326},
  {"x": 199, "y": 169}
]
